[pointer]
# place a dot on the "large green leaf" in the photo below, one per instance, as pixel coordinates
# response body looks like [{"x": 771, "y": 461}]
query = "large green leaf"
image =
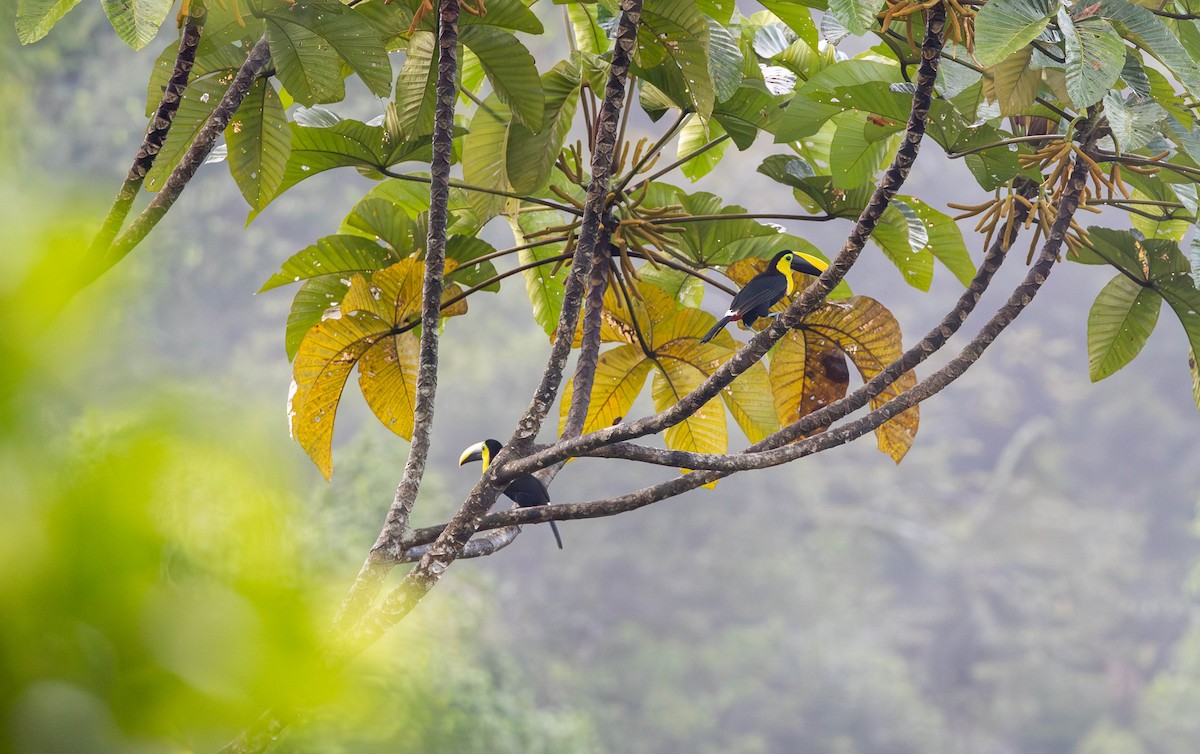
[
  {"x": 1095, "y": 57},
  {"x": 510, "y": 69},
  {"x": 197, "y": 103},
  {"x": 531, "y": 156},
  {"x": 1147, "y": 31},
  {"x": 672, "y": 53},
  {"x": 226, "y": 58},
  {"x": 1134, "y": 123},
  {"x": 797, "y": 16},
  {"x": 856, "y": 15},
  {"x": 900, "y": 240},
  {"x": 589, "y": 37},
  {"x": 35, "y": 18},
  {"x": 854, "y": 159},
  {"x": 306, "y": 41},
  {"x": 724, "y": 61},
  {"x": 750, "y": 108},
  {"x": 485, "y": 156},
  {"x": 415, "y": 85},
  {"x": 545, "y": 288},
  {"x": 310, "y": 304},
  {"x": 1004, "y": 26},
  {"x": 347, "y": 143},
  {"x": 340, "y": 254},
  {"x": 945, "y": 239},
  {"x": 1121, "y": 319},
  {"x": 136, "y": 21},
  {"x": 692, "y": 137},
  {"x": 259, "y": 144},
  {"x": 812, "y": 190}
]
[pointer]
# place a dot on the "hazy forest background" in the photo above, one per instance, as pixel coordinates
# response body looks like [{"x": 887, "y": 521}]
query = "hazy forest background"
[{"x": 1025, "y": 581}]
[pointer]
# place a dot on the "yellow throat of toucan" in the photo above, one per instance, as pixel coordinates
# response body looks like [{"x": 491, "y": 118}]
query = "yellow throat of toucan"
[
  {"x": 487, "y": 456},
  {"x": 784, "y": 265}
]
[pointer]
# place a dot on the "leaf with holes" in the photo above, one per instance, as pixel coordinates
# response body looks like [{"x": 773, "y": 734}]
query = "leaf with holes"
[
  {"x": 1095, "y": 57},
  {"x": 1121, "y": 319}
]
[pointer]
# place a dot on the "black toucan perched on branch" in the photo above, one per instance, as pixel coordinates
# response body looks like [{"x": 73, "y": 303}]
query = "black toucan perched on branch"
[
  {"x": 527, "y": 491},
  {"x": 766, "y": 288}
]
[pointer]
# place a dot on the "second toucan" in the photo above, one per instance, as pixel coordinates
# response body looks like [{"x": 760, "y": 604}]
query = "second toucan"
[
  {"x": 766, "y": 289},
  {"x": 526, "y": 491}
]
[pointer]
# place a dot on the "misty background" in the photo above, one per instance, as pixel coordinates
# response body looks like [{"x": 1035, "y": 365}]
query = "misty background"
[{"x": 1025, "y": 581}]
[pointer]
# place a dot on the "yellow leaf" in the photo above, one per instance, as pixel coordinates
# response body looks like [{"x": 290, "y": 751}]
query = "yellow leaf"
[
  {"x": 807, "y": 372},
  {"x": 387, "y": 376},
  {"x": 326, "y": 357},
  {"x": 869, "y": 335},
  {"x": 748, "y": 397},
  {"x": 360, "y": 330},
  {"x": 703, "y": 431},
  {"x": 620, "y": 374}
]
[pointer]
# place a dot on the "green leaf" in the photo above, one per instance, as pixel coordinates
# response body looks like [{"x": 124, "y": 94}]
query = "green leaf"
[
  {"x": 853, "y": 158},
  {"x": 306, "y": 41},
  {"x": 259, "y": 144},
  {"x": 375, "y": 217},
  {"x": 797, "y": 16},
  {"x": 751, "y": 108},
  {"x": 1147, "y": 31},
  {"x": 465, "y": 250},
  {"x": 672, "y": 53},
  {"x": 506, "y": 14},
  {"x": 894, "y": 235},
  {"x": 1095, "y": 57},
  {"x": 856, "y": 15},
  {"x": 692, "y": 137},
  {"x": 531, "y": 156},
  {"x": 330, "y": 255},
  {"x": 197, "y": 103},
  {"x": 1004, "y": 26},
  {"x": 35, "y": 18},
  {"x": 589, "y": 37},
  {"x": 724, "y": 61},
  {"x": 415, "y": 85},
  {"x": 310, "y": 304},
  {"x": 510, "y": 69},
  {"x": 545, "y": 289},
  {"x": 1134, "y": 123},
  {"x": 945, "y": 240},
  {"x": 136, "y": 21},
  {"x": 1016, "y": 81},
  {"x": 684, "y": 288},
  {"x": 485, "y": 156},
  {"x": 348, "y": 143},
  {"x": 227, "y": 58},
  {"x": 1121, "y": 319}
]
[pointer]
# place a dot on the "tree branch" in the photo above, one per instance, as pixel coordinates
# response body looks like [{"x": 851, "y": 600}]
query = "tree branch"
[
  {"x": 1021, "y": 297},
  {"x": 484, "y": 190},
  {"x": 451, "y": 542},
  {"x": 378, "y": 563},
  {"x": 156, "y": 132},
  {"x": 256, "y": 63},
  {"x": 758, "y": 346}
]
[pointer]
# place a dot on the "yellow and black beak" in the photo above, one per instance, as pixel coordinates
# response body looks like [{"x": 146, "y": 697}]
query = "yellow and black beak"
[
  {"x": 808, "y": 264},
  {"x": 473, "y": 453}
]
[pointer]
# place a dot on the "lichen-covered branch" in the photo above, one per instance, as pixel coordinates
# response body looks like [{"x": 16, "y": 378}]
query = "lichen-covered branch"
[
  {"x": 156, "y": 131},
  {"x": 893, "y": 179},
  {"x": 450, "y": 543},
  {"x": 256, "y": 62},
  {"x": 385, "y": 551}
]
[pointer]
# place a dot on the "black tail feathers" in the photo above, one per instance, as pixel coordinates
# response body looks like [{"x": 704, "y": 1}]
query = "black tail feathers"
[{"x": 716, "y": 329}]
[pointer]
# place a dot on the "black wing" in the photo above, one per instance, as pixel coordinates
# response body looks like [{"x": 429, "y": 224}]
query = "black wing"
[
  {"x": 527, "y": 491},
  {"x": 759, "y": 295}
]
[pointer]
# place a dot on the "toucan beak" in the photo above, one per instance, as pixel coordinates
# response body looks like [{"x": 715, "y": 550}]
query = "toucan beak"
[
  {"x": 808, "y": 265},
  {"x": 473, "y": 453}
]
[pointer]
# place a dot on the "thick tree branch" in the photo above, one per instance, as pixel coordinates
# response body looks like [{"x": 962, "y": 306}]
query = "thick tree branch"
[
  {"x": 1021, "y": 297},
  {"x": 370, "y": 578},
  {"x": 758, "y": 346},
  {"x": 156, "y": 132},
  {"x": 589, "y": 350},
  {"x": 450, "y": 543},
  {"x": 256, "y": 63}
]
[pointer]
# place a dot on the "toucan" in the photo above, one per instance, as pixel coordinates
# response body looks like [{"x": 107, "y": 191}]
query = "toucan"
[
  {"x": 527, "y": 491},
  {"x": 766, "y": 288}
]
